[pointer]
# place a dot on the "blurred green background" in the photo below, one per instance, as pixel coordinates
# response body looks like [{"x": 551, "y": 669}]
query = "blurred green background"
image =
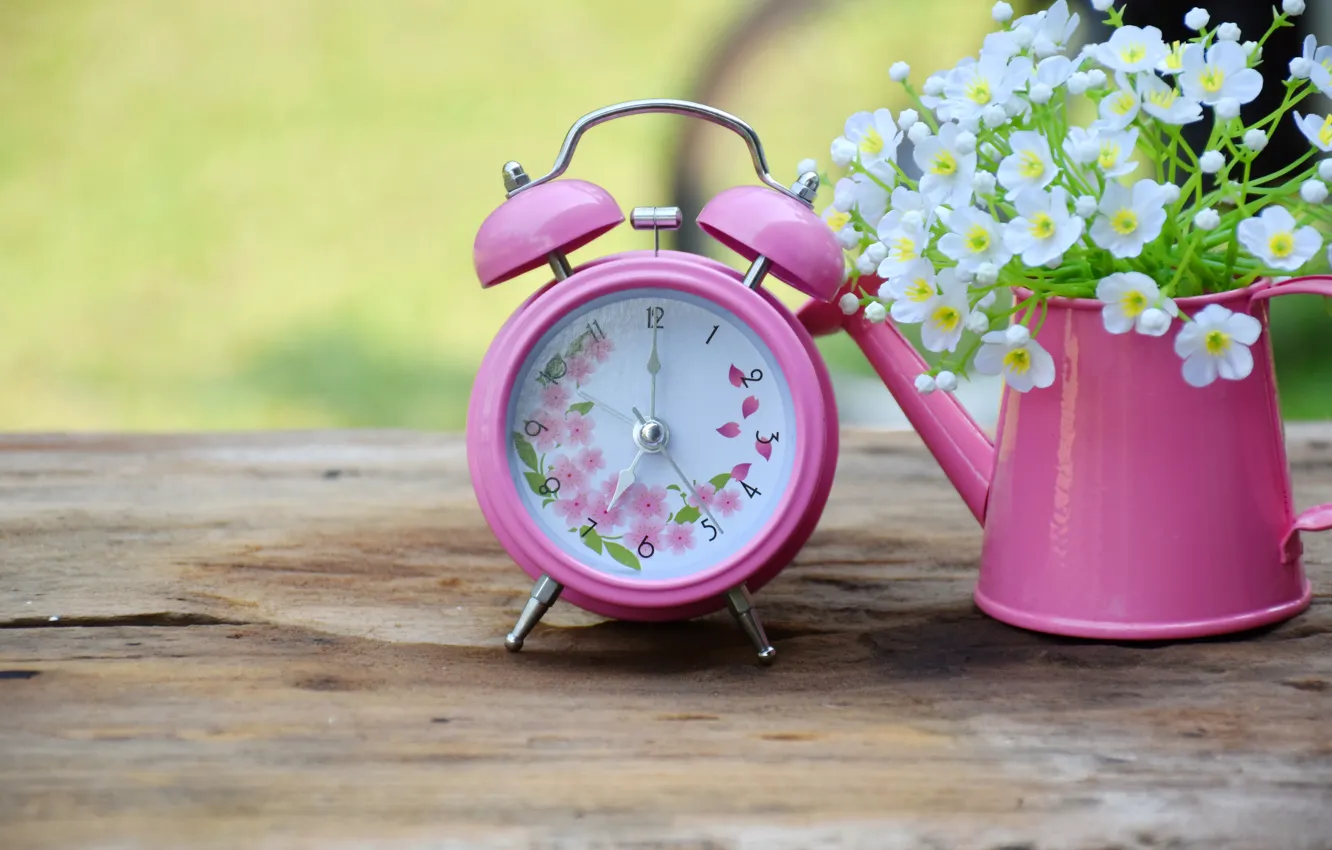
[{"x": 259, "y": 214}]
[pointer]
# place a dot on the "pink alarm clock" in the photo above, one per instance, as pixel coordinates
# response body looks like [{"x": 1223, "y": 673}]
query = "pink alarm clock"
[{"x": 652, "y": 434}]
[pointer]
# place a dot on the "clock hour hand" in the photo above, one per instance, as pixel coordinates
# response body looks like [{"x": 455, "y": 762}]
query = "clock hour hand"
[
  {"x": 626, "y": 479},
  {"x": 606, "y": 407}
]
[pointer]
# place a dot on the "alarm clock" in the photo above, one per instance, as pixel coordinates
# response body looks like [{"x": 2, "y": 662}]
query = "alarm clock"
[{"x": 652, "y": 435}]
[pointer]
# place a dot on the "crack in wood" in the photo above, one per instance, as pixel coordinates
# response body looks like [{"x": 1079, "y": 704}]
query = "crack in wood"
[{"x": 160, "y": 618}]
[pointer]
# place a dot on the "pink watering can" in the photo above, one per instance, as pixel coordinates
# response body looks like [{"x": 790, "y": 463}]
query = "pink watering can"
[{"x": 1120, "y": 502}]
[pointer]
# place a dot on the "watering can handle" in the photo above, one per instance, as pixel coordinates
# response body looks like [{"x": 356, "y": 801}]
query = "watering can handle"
[{"x": 1318, "y": 518}]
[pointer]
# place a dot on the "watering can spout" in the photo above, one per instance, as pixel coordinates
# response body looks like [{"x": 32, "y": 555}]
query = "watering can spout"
[{"x": 962, "y": 449}]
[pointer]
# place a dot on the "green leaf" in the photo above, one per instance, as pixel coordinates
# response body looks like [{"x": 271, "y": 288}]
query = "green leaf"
[
  {"x": 545, "y": 502},
  {"x": 672, "y": 486},
  {"x": 536, "y": 481},
  {"x": 526, "y": 453},
  {"x": 719, "y": 481},
  {"x": 623, "y": 555},
  {"x": 583, "y": 407},
  {"x": 688, "y": 513},
  {"x": 1327, "y": 305},
  {"x": 591, "y": 539}
]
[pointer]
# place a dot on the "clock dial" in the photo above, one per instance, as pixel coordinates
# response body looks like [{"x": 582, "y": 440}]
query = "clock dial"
[{"x": 651, "y": 434}]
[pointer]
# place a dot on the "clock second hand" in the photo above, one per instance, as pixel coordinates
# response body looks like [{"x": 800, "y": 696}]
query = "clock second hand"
[
  {"x": 606, "y": 407},
  {"x": 683, "y": 478}
]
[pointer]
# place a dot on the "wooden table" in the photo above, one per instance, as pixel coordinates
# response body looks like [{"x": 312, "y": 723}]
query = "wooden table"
[{"x": 294, "y": 640}]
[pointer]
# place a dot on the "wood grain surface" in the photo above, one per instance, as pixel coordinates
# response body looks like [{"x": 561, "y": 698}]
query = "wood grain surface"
[{"x": 295, "y": 640}]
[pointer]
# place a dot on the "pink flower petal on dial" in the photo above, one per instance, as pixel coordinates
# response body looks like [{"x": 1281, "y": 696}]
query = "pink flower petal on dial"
[
  {"x": 730, "y": 429},
  {"x": 737, "y": 377},
  {"x": 749, "y": 407},
  {"x": 764, "y": 449},
  {"x": 739, "y": 471}
]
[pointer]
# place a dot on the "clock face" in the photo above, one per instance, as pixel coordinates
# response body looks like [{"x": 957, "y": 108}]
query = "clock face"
[{"x": 650, "y": 485}]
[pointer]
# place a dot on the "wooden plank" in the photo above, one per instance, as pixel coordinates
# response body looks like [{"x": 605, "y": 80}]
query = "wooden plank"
[{"x": 293, "y": 640}]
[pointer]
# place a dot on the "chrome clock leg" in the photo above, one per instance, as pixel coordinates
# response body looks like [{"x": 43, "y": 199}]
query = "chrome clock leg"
[
  {"x": 544, "y": 593},
  {"x": 741, "y": 607}
]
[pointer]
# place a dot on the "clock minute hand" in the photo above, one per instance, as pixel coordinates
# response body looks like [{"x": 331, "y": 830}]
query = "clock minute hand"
[{"x": 653, "y": 367}]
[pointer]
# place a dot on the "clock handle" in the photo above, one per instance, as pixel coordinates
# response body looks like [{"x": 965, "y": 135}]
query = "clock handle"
[{"x": 673, "y": 107}]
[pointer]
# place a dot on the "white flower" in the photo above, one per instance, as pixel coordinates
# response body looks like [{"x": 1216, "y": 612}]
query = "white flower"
[
  {"x": 1227, "y": 108},
  {"x": 807, "y": 165},
  {"x": 1044, "y": 230},
  {"x": 899, "y": 71},
  {"x": 1132, "y": 299},
  {"x": 848, "y": 237},
  {"x": 1129, "y": 218},
  {"x": 1114, "y": 152},
  {"x": 1300, "y": 68},
  {"x": 1317, "y": 130},
  {"x": 978, "y": 323},
  {"x": 1029, "y": 166},
  {"x": 1228, "y": 32},
  {"x": 946, "y": 314},
  {"x": 1325, "y": 170},
  {"x": 907, "y": 118},
  {"x": 1024, "y": 365},
  {"x": 982, "y": 183},
  {"x": 994, "y": 116},
  {"x": 906, "y": 240},
  {"x": 1163, "y": 102},
  {"x": 1292, "y": 7},
  {"x": 1040, "y": 94},
  {"x": 1078, "y": 82},
  {"x": 987, "y": 300},
  {"x": 1252, "y": 49},
  {"x": 924, "y": 384},
  {"x": 1173, "y": 62},
  {"x": 987, "y": 274},
  {"x": 865, "y": 264},
  {"x": 946, "y": 171},
  {"x": 1095, "y": 78},
  {"x": 875, "y": 135},
  {"x": 1017, "y": 334},
  {"x": 1255, "y": 140},
  {"x": 843, "y": 151},
  {"x": 875, "y": 312},
  {"x": 971, "y": 87},
  {"x": 1132, "y": 49},
  {"x": 965, "y": 142},
  {"x": 1196, "y": 18},
  {"x": 1313, "y": 191},
  {"x": 1102, "y": 5},
  {"x": 1216, "y": 344},
  {"x": 919, "y": 132},
  {"x": 1219, "y": 71},
  {"x": 849, "y": 304},
  {"x": 1001, "y": 12},
  {"x": 1081, "y": 145},
  {"x": 1119, "y": 108},
  {"x": 1207, "y": 219},
  {"x": 1054, "y": 71},
  {"x": 946, "y": 381},
  {"x": 974, "y": 238},
  {"x": 1050, "y": 30},
  {"x": 1171, "y": 192},
  {"x": 863, "y": 193},
  {"x": 1085, "y": 206},
  {"x": 1211, "y": 162},
  {"x": 1272, "y": 237},
  {"x": 911, "y": 292}
]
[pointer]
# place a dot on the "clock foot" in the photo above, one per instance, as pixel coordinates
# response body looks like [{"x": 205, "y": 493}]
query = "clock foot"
[
  {"x": 741, "y": 607},
  {"x": 544, "y": 593}
]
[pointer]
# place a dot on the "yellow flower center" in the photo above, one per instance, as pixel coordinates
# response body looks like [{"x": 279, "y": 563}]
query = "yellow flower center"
[
  {"x": 1325, "y": 133},
  {"x": 1216, "y": 342},
  {"x": 1017, "y": 361},
  {"x": 1030, "y": 165},
  {"x": 871, "y": 143},
  {"x": 1211, "y": 79},
  {"x": 1175, "y": 58},
  {"x": 1042, "y": 226},
  {"x": 1135, "y": 52},
  {"x": 903, "y": 249},
  {"x": 1163, "y": 97},
  {"x": 1123, "y": 103},
  {"x": 1109, "y": 155},
  {"x": 978, "y": 90},
  {"x": 943, "y": 164},
  {"x": 1124, "y": 221},
  {"x": 1133, "y": 303},
  {"x": 1281, "y": 244},
  {"x": 919, "y": 290},
  {"x": 978, "y": 239},
  {"x": 946, "y": 318},
  {"x": 838, "y": 220}
]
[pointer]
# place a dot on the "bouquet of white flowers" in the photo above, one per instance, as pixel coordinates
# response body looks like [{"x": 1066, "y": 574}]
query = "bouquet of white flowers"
[{"x": 1015, "y": 196}]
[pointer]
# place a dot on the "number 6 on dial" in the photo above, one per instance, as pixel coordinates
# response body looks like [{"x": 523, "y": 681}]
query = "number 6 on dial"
[{"x": 608, "y": 429}]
